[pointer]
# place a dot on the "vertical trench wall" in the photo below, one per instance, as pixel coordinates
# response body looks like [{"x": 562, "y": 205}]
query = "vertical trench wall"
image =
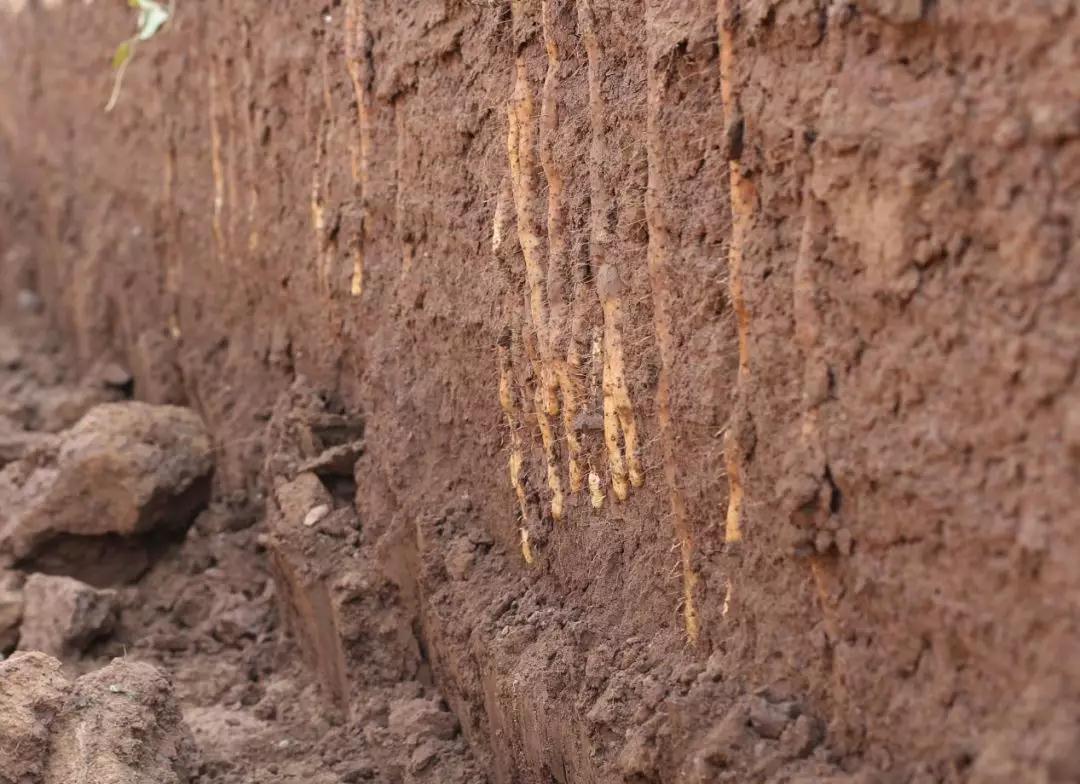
[{"x": 748, "y": 325}]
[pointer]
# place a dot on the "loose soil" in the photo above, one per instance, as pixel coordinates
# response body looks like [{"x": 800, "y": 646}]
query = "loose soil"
[{"x": 204, "y": 613}]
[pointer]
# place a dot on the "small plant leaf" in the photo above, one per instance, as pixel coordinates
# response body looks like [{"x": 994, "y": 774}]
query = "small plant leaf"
[
  {"x": 151, "y": 17},
  {"x": 122, "y": 55}
]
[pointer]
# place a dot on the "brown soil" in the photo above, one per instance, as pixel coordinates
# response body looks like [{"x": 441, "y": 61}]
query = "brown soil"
[
  {"x": 794, "y": 464},
  {"x": 204, "y": 613}
]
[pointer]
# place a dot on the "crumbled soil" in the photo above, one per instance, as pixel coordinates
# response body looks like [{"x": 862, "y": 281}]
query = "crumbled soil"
[{"x": 204, "y": 612}]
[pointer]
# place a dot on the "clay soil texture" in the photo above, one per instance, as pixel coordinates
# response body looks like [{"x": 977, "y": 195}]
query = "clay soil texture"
[{"x": 574, "y": 390}]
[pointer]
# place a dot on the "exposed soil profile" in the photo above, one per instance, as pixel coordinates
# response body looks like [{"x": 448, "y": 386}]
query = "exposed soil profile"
[{"x": 541, "y": 391}]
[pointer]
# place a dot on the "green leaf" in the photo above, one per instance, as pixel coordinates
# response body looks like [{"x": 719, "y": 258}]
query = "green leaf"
[
  {"x": 152, "y": 16},
  {"x": 122, "y": 54}
]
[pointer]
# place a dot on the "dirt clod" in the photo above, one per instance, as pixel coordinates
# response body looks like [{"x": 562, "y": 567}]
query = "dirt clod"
[
  {"x": 417, "y": 720},
  {"x": 126, "y": 469},
  {"x": 122, "y": 723},
  {"x": 767, "y": 719},
  {"x": 32, "y": 693},
  {"x": 63, "y": 616}
]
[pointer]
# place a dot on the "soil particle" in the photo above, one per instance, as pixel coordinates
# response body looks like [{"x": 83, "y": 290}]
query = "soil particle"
[
  {"x": 299, "y": 498},
  {"x": 315, "y": 514}
]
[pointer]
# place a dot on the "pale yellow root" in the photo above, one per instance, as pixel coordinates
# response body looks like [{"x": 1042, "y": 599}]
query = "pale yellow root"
[
  {"x": 547, "y": 437},
  {"x": 616, "y": 465},
  {"x": 356, "y": 61},
  {"x": 558, "y": 246},
  {"x": 625, "y": 411},
  {"x": 356, "y": 283},
  {"x": 324, "y": 243},
  {"x": 526, "y": 548},
  {"x": 556, "y": 224},
  {"x": 506, "y": 402},
  {"x": 619, "y": 421},
  {"x": 521, "y": 144},
  {"x": 217, "y": 169},
  {"x": 506, "y": 388},
  {"x": 596, "y": 490},
  {"x": 743, "y": 200},
  {"x": 733, "y": 465},
  {"x": 318, "y": 209},
  {"x": 619, "y": 417},
  {"x": 252, "y": 146},
  {"x": 516, "y": 464},
  {"x": 570, "y": 408},
  {"x": 546, "y": 428},
  {"x": 597, "y": 241},
  {"x": 519, "y": 489},
  {"x": 504, "y": 211},
  {"x": 659, "y": 259}
]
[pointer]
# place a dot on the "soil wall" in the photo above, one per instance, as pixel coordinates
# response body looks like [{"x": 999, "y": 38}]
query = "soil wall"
[{"x": 703, "y": 349}]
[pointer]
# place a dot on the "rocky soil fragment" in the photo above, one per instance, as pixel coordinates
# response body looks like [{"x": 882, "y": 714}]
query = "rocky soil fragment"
[
  {"x": 63, "y": 616},
  {"x": 32, "y": 691},
  {"x": 418, "y": 720},
  {"x": 117, "y": 725},
  {"x": 122, "y": 723},
  {"x": 126, "y": 470}
]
